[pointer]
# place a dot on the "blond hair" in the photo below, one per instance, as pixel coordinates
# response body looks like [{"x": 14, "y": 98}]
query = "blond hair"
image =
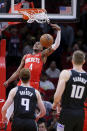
[
  {"x": 78, "y": 57},
  {"x": 24, "y": 75}
]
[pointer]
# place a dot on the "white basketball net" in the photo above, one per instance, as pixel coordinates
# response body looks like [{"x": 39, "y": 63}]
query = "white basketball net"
[{"x": 40, "y": 17}]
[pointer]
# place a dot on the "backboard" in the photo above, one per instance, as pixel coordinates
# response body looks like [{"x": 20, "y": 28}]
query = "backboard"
[{"x": 58, "y": 10}]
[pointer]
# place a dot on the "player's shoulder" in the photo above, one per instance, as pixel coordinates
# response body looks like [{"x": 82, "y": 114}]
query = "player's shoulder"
[
  {"x": 14, "y": 90},
  {"x": 65, "y": 74},
  {"x": 27, "y": 55},
  {"x": 33, "y": 55},
  {"x": 38, "y": 54}
]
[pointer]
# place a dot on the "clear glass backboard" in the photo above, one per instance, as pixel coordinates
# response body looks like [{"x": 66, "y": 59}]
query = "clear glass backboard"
[{"x": 59, "y": 10}]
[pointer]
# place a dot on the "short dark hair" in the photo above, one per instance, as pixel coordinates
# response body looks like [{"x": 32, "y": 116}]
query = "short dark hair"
[
  {"x": 78, "y": 57},
  {"x": 24, "y": 75},
  {"x": 42, "y": 120}
]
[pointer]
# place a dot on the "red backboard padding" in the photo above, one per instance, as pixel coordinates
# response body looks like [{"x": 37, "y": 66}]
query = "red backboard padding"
[
  {"x": 2, "y": 73},
  {"x": 2, "y": 48}
]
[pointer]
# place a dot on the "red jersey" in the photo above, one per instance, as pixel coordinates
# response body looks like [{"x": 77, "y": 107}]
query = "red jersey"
[{"x": 34, "y": 63}]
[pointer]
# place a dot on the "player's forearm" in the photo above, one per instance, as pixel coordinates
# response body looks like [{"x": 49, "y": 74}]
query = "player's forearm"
[
  {"x": 55, "y": 105},
  {"x": 3, "y": 112},
  {"x": 13, "y": 77},
  {"x": 57, "y": 99},
  {"x": 41, "y": 114},
  {"x": 57, "y": 40}
]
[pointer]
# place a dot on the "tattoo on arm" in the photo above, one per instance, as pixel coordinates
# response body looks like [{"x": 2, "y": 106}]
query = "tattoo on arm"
[{"x": 47, "y": 52}]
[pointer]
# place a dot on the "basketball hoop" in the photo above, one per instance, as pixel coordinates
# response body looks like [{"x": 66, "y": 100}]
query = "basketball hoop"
[{"x": 34, "y": 14}]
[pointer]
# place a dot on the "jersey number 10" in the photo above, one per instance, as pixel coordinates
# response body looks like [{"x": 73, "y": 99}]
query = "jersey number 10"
[{"x": 77, "y": 91}]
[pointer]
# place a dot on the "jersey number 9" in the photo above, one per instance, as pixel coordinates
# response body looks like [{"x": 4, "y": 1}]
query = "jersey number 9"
[{"x": 25, "y": 103}]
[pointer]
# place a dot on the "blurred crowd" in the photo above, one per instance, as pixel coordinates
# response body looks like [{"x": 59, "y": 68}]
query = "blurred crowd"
[{"x": 20, "y": 39}]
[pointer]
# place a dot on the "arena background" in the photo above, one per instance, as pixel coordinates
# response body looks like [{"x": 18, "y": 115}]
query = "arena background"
[{"x": 74, "y": 36}]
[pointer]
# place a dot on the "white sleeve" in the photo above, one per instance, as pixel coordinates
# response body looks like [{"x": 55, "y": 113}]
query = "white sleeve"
[{"x": 57, "y": 41}]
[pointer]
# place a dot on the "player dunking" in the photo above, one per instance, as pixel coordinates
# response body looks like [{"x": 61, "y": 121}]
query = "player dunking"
[
  {"x": 34, "y": 62},
  {"x": 72, "y": 87},
  {"x": 25, "y": 99}
]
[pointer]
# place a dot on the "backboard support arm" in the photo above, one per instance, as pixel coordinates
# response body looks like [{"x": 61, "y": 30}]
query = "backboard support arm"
[{"x": 12, "y": 6}]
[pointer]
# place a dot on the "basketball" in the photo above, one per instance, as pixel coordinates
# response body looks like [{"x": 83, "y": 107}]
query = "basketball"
[{"x": 46, "y": 40}]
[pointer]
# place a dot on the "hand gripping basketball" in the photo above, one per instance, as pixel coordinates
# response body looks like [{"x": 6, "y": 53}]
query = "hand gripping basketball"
[{"x": 46, "y": 40}]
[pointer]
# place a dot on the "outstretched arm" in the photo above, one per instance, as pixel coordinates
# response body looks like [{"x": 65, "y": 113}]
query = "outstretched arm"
[
  {"x": 40, "y": 105},
  {"x": 15, "y": 74},
  {"x": 64, "y": 77},
  {"x": 56, "y": 44},
  {"x": 8, "y": 103}
]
